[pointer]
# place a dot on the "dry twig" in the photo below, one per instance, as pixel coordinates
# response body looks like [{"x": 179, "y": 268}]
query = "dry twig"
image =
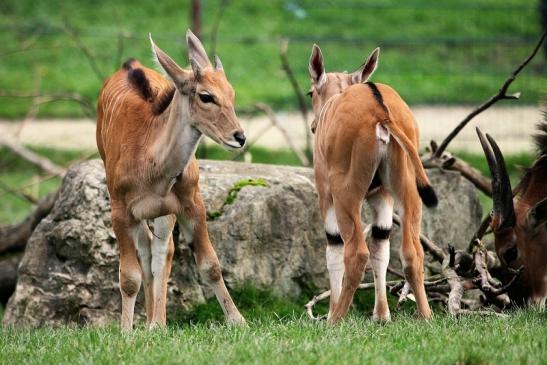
[{"x": 273, "y": 120}]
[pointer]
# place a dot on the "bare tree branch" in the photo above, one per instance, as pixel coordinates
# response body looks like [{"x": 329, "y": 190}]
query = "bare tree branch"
[
  {"x": 309, "y": 306},
  {"x": 195, "y": 17},
  {"x": 283, "y": 48},
  {"x": 223, "y": 5},
  {"x": 449, "y": 162},
  {"x": 15, "y": 237},
  {"x": 73, "y": 34},
  {"x": 501, "y": 95},
  {"x": 273, "y": 119},
  {"x": 456, "y": 286},
  {"x": 40, "y": 161},
  {"x": 18, "y": 193},
  {"x": 85, "y": 103}
]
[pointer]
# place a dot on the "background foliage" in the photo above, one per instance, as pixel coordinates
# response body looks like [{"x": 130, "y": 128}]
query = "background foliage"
[{"x": 454, "y": 51}]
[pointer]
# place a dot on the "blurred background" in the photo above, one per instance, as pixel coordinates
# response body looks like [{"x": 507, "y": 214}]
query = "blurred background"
[{"x": 444, "y": 58}]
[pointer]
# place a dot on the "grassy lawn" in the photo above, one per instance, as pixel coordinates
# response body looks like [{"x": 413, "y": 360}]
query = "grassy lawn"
[
  {"x": 278, "y": 333},
  {"x": 16, "y": 173},
  {"x": 459, "y": 51}
]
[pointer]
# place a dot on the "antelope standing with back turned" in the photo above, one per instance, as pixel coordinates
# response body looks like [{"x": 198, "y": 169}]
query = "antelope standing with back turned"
[
  {"x": 148, "y": 129},
  {"x": 366, "y": 142}
]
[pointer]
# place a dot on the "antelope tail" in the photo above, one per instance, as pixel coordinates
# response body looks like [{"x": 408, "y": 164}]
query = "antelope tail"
[{"x": 427, "y": 194}]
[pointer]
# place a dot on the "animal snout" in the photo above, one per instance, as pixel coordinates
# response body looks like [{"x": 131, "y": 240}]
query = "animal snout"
[{"x": 240, "y": 138}]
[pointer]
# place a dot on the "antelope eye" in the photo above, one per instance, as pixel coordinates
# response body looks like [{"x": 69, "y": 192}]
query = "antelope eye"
[
  {"x": 310, "y": 93},
  {"x": 206, "y": 98},
  {"x": 510, "y": 255}
]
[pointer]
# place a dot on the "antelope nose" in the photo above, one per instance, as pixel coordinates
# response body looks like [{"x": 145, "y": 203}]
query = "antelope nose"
[{"x": 240, "y": 138}]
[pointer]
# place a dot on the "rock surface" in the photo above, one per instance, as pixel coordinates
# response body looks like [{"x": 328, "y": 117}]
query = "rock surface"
[{"x": 269, "y": 236}]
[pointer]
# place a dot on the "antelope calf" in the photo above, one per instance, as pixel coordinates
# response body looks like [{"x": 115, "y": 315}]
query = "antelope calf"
[
  {"x": 520, "y": 223},
  {"x": 366, "y": 142},
  {"x": 148, "y": 129}
]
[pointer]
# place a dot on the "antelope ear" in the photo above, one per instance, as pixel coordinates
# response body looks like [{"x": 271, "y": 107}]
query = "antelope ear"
[
  {"x": 537, "y": 215},
  {"x": 174, "y": 71},
  {"x": 316, "y": 66},
  {"x": 196, "y": 52},
  {"x": 367, "y": 68}
]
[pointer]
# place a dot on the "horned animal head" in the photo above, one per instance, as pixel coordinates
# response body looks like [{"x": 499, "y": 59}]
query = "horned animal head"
[
  {"x": 211, "y": 97},
  {"x": 519, "y": 225},
  {"x": 326, "y": 85}
]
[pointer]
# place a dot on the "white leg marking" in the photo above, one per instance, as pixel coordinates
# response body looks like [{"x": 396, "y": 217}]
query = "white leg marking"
[
  {"x": 331, "y": 224},
  {"x": 379, "y": 255},
  {"x": 142, "y": 241},
  {"x": 335, "y": 265},
  {"x": 162, "y": 231},
  {"x": 160, "y": 246},
  {"x": 379, "y": 259}
]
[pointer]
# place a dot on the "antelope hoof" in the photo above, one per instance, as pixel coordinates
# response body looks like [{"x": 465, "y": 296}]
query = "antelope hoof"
[
  {"x": 236, "y": 320},
  {"x": 425, "y": 316},
  {"x": 381, "y": 318},
  {"x": 334, "y": 319},
  {"x": 154, "y": 325}
]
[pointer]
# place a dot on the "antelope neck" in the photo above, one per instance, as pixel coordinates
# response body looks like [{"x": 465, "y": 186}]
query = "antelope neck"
[{"x": 178, "y": 139}]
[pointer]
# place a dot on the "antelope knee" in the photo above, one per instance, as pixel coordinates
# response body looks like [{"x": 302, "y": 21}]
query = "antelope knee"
[
  {"x": 210, "y": 271},
  {"x": 130, "y": 283}
]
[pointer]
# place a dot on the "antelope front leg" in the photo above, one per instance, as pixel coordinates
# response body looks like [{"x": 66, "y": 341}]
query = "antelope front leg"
[
  {"x": 143, "y": 239},
  {"x": 208, "y": 264},
  {"x": 162, "y": 250},
  {"x": 130, "y": 272}
]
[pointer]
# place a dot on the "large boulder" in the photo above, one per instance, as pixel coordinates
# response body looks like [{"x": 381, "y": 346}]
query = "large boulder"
[{"x": 268, "y": 236}]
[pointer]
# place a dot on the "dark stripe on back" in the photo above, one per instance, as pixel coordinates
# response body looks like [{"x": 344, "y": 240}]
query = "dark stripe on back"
[
  {"x": 163, "y": 100},
  {"x": 377, "y": 94},
  {"x": 138, "y": 80},
  {"x": 334, "y": 239},
  {"x": 127, "y": 65}
]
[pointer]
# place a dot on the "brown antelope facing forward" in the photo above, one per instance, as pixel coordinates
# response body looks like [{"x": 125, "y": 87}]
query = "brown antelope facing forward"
[
  {"x": 148, "y": 129},
  {"x": 519, "y": 223},
  {"x": 366, "y": 142}
]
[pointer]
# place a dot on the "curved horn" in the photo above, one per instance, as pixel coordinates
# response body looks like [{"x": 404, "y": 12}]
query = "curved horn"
[
  {"x": 501, "y": 186},
  {"x": 504, "y": 190}
]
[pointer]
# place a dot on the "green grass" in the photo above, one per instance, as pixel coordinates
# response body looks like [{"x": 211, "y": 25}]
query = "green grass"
[
  {"x": 459, "y": 51},
  {"x": 279, "y": 333}
]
